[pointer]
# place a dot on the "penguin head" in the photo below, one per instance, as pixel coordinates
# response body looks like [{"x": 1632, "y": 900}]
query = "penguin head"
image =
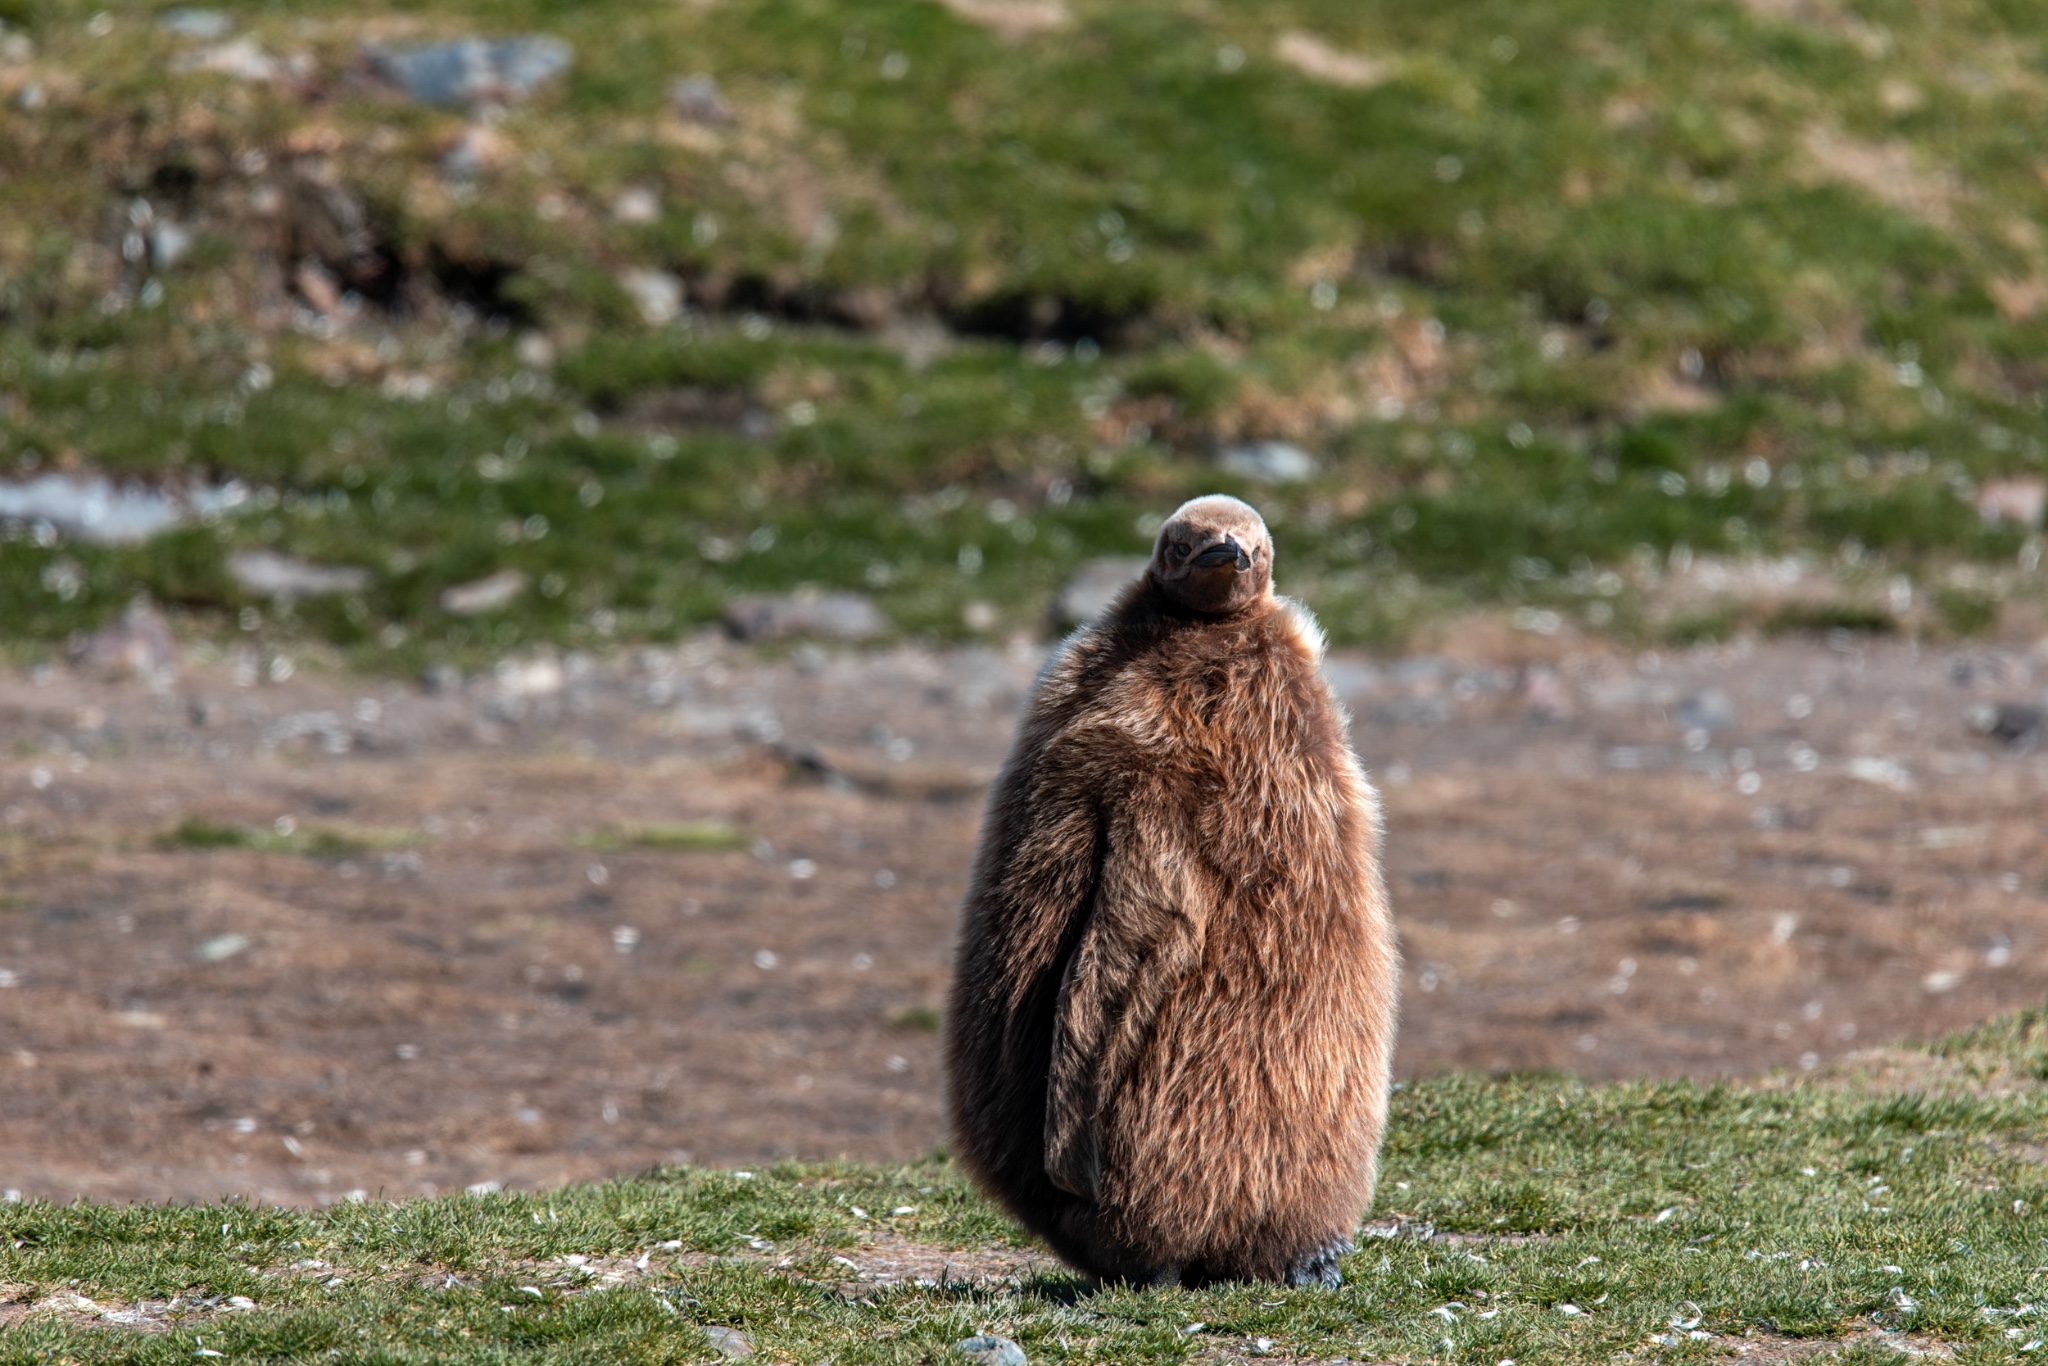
[{"x": 1214, "y": 555}]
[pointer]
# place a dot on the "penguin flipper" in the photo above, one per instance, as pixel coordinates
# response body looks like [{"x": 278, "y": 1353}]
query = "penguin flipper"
[{"x": 1144, "y": 934}]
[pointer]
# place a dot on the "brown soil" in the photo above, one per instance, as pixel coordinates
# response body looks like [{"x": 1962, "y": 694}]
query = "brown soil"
[{"x": 470, "y": 994}]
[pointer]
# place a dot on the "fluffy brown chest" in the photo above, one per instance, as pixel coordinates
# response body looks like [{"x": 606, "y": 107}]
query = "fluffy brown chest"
[{"x": 1244, "y": 753}]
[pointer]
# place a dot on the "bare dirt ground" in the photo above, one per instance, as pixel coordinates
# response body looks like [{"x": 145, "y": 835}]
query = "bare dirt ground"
[{"x": 1717, "y": 862}]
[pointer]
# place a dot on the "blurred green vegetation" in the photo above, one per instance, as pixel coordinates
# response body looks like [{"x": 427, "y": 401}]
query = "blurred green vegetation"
[{"x": 1547, "y": 291}]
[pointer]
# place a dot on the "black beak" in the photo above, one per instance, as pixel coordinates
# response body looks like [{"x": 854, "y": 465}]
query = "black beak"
[{"x": 1229, "y": 552}]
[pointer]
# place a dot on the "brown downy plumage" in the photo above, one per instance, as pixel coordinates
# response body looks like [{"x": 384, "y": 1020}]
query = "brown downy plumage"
[{"x": 1172, "y": 1014}]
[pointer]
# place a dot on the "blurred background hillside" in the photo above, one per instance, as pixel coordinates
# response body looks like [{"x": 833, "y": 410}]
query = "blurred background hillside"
[{"x": 438, "y": 330}]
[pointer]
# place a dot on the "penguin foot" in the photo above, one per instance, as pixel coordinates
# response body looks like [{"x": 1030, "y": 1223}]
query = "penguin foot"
[{"x": 1319, "y": 1268}]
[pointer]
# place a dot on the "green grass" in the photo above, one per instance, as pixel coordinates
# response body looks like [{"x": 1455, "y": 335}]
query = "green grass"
[
  {"x": 1570, "y": 282},
  {"x": 320, "y": 842},
  {"x": 1829, "y": 1210},
  {"x": 687, "y": 836}
]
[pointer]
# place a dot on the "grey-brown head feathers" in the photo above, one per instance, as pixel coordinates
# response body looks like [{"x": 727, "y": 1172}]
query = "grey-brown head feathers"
[{"x": 1213, "y": 556}]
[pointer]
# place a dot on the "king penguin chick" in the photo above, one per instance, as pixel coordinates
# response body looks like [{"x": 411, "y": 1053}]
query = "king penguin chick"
[{"x": 1172, "y": 1014}]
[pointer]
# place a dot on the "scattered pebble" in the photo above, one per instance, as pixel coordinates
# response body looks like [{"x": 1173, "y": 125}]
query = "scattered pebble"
[
  {"x": 473, "y": 70},
  {"x": 656, "y": 293},
  {"x": 1885, "y": 772},
  {"x": 220, "y": 948},
  {"x": 203, "y": 24},
  {"x": 484, "y": 595},
  {"x": 696, "y": 100},
  {"x": 2019, "y": 725},
  {"x": 1269, "y": 462},
  {"x": 265, "y": 573},
  {"x": 2020, "y": 500},
  {"x": 139, "y": 644},
  {"x": 986, "y": 1349},
  {"x": 729, "y": 1342},
  {"x": 1709, "y": 709},
  {"x": 94, "y": 509},
  {"x": 637, "y": 204},
  {"x": 241, "y": 59},
  {"x": 778, "y": 616}
]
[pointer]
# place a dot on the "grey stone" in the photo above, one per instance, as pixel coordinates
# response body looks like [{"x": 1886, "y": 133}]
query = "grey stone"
[
  {"x": 473, "y": 70},
  {"x": 696, "y": 98},
  {"x": 487, "y": 594},
  {"x": 2018, "y": 724},
  {"x": 140, "y": 644},
  {"x": 441, "y": 678},
  {"x": 271, "y": 575},
  {"x": 729, "y": 1342},
  {"x": 1709, "y": 709},
  {"x": 220, "y": 948},
  {"x": 986, "y": 1349},
  {"x": 784, "y": 616},
  {"x": 93, "y": 508},
  {"x": 1094, "y": 588},
  {"x": 2020, "y": 500},
  {"x": 656, "y": 293},
  {"x": 1269, "y": 462},
  {"x": 168, "y": 243},
  {"x": 187, "y": 22},
  {"x": 242, "y": 58}
]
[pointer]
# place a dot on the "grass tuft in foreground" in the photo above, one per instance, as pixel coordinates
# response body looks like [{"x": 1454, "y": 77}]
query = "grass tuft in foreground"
[{"x": 1533, "y": 1218}]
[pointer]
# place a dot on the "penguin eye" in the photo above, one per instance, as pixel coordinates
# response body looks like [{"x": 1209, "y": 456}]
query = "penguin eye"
[{"x": 1180, "y": 552}]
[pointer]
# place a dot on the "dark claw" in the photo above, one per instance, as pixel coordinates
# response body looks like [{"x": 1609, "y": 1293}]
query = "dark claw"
[{"x": 1319, "y": 1268}]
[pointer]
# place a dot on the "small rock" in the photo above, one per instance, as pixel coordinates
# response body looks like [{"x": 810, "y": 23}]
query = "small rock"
[
  {"x": 2018, "y": 724},
  {"x": 484, "y": 595},
  {"x": 729, "y": 1342},
  {"x": 637, "y": 204},
  {"x": 535, "y": 351},
  {"x": 195, "y": 23},
  {"x": 473, "y": 70},
  {"x": 139, "y": 643},
  {"x": 1545, "y": 694},
  {"x": 480, "y": 148},
  {"x": 318, "y": 288},
  {"x": 656, "y": 293},
  {"x": 1881, "y": 770},
  {"x": 242, "y": 58},
  {"x": 441, "y": 679},
  {"x": 220, "y": 948},
  {"x": 986, "y": 1349},
  {"x": 2019, "y": 500},
  {"x": 1269, "y": 462},
  {"x": 1317, "y": 60},
  {"x": 1094, "y": 589},
  {"x": 269, "y": 574},
  {"x": 697, "y": 100},
  {"x": 538, "y": 677},
  {"x": 94, "y": 508},
  {"x": 1709, "y": 709},
  {"x": 1014, "y": 20},
  {"x": 835, "y": 616},
  {"x": 168, "y": 243}
]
